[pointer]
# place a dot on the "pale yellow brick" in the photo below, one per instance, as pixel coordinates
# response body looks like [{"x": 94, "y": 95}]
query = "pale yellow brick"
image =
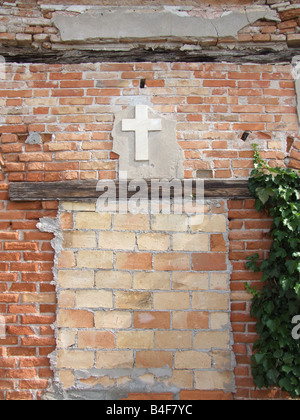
[
  {"x": 219, "y": 320},
  {"x": 151, "y": 281},
  {"x": 189, "y": 242},
  {"x": 67, "y": 299},
  {"x": 66, "y": 338},
  {"x": 192, "y": 360},
  {"x": 173, "y": 339},
  {"x": 170, "y": 222},
  {"x": 79, "y": 240},
  {"x": 93, "y": 339},
  {"x": 103, "y": 381},
  {"x": 241, "y": 296},
  {"x": 190, "y": 281},
  {"x": 210, "y": 301},
  {"x": 135, "y": 340},
  {"x": 131, "y": 222},
  {"x": 212, "y": 339},
  {"x": 133, "y": 300},
  {"x": 153, "y": 242},
  {"x": 222, "y": 359},
  {"x": 76, "y": 279},
  {"x": 66, "y": 259},
  {"x": 94, "y": 299},
  {"x": 210, "y": 224},
  {"x": 183, "y": 379},
  {"x": 38, "y": 298},
  {"x": 212, "y": 380},
  {"x": 75, "y": 359},
  {"x": 114, "y": 359},
  {"x": 113, "y": 319},
  {"x": 171, "y": 300},
  {"x": 117, "y": 240},
  {"x": 219, "y": 281},
  {"x": 75, "y": 318},
  {"x": 84, "y": 206},
  {"x": 66, "y": 378},
  {"x": 87, "y": 220},
  {"x": 113, "y": 280},
  {"x": 95, "y": 259}
]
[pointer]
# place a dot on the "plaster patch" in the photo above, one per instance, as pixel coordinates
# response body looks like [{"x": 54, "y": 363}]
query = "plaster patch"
[
  {"x": 165, "y": 155},
  {"x": 34, "y": 138},
  {"x": 144, "y": 23}
]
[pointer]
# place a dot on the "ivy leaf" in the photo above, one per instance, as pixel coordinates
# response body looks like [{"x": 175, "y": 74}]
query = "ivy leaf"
[
  {"x": 259, "y": 357},
  {"x": 276, "y": 361},
  {"x": 264, "y": 194},
  {"x": 273, "y": 375},
  {"x": 291, "y": 266}
]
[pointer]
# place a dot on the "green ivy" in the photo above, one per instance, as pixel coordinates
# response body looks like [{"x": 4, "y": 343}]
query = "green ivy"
[{"x": 276, "y": 358}]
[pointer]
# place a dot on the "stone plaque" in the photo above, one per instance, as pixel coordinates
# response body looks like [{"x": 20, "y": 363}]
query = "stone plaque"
[{"x": 147, "y": 144}]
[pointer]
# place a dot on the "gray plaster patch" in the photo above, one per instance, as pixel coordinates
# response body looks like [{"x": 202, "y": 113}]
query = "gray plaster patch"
[
  {"x": 34, "y": 138},
  {"x": 165, "y": 155},
  {"x": 141, "y": 23}
]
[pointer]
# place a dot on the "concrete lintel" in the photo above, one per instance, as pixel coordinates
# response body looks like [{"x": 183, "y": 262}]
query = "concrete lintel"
[{"x": 143, "y": 23}]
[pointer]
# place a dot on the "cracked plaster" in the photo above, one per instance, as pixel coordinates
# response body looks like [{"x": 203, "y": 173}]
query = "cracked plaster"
[{"x": 141, "y": 23}]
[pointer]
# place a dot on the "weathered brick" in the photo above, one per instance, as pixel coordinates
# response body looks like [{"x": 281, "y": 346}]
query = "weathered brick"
[
  {"x": 114, "y": 360},
  {"x": 114, "y": 280},
  {"x": 152, "y": 320},
  {"x": 75, "y": 359},
  {"x": 117, "y": 240},
  {"x": 153, "y": 359},
  {"x": 151, "y": 281},
  {"x": 135, "y": 340},
  {"x": 173, "y": 339},
  {"x": 94, "y": 299},
  {"x": 211, "y": 224},
  {"x": 76, "y": 279},
  {"x": 213, "y": 380},
  {"x": 172, "y": 262},
  {"x": 171, "y": 300},
  {"x": 133, "y": 300},
  {"x": 205, "y": 262},
  {"x": 79, "y": 240},
  {"x": 169, "y": 222},
  {"x": 95, "y": 259},
  {"x": 89, "y": 220},
  {"x": 190, "y": 281},
  {"x": 153, "y": 242},
  {"x": 132, "y": 222},
  {"x": 75, "y": 319},
  {"x": 96, "y": 339},
  {"x": 191, "y": 320},
  {"x": 212, "y": 339},
  {"x": 192, "y": 360},
  {"x": 113, "y": 319},
  {"x": 133, "y": 261},
  {"x": 210, "y": 301},
  {"x": 188, "y": 242}
]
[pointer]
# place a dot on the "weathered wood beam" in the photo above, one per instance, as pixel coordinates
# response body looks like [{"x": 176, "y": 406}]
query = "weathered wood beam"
[
  {"x": 86, "y": 190},
  {"x": 257, "y": 54}
]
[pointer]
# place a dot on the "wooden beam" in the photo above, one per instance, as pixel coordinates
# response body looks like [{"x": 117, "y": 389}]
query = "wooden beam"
[
  {"x": 86, "y": 190},
  {"x": 258, "y": 55}
]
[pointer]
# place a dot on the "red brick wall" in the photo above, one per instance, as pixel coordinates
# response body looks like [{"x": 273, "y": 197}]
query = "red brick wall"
[
  {"x": 31, "y": 25},
  {"x": 72, "y": 107}
]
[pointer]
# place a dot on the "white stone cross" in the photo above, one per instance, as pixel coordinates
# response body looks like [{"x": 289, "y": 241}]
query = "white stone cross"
[{"x": 141, "y": 125}]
